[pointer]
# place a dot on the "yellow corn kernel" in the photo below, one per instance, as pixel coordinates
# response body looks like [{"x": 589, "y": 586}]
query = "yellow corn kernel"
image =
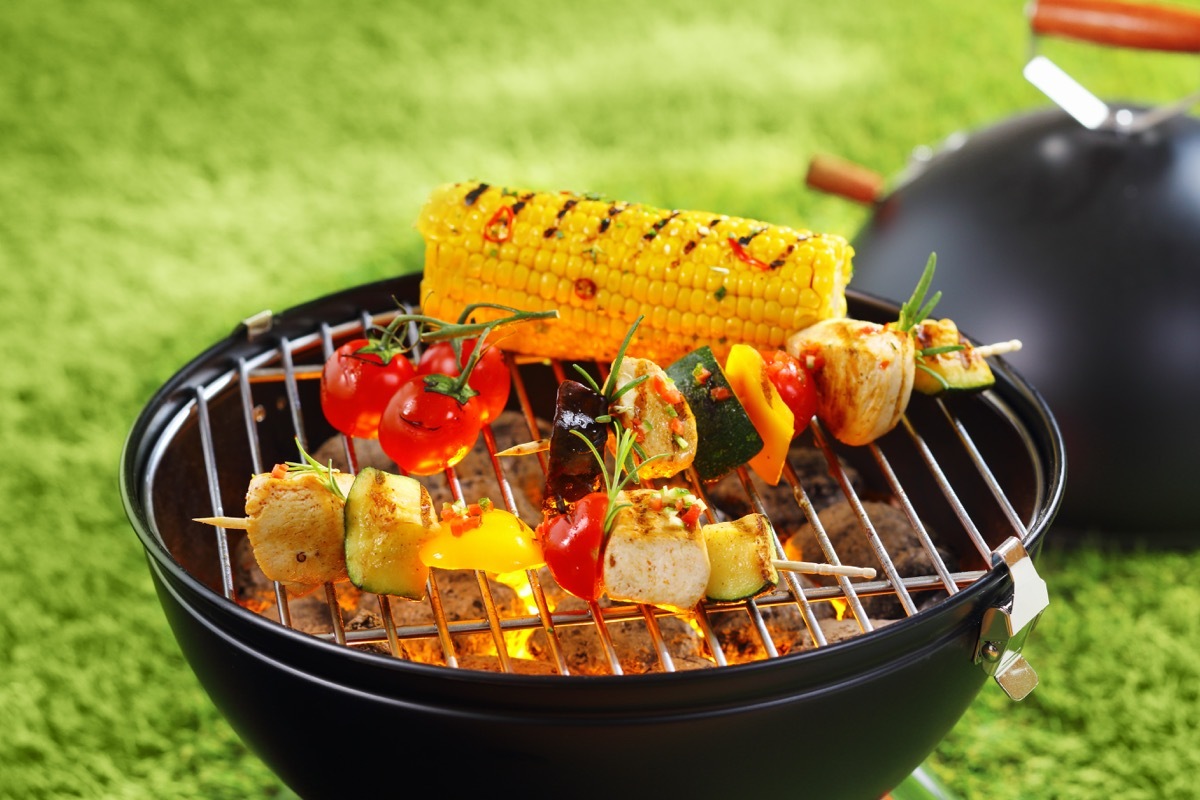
[{"x": 696, "y": 278}]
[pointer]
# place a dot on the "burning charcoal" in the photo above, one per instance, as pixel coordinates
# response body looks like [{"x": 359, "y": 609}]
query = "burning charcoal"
[
  {"x": 367, "y": 620},
  {"x": 461, "y": 600},
  {"x": 585, "y": 654},
  {"x": 739, "y": 637},
  {"x": 520, "y": 666},
  {"x": 852, "y": 546},
  {"x": 839, "y": 630},
  {"x": 728, "y": 497}
]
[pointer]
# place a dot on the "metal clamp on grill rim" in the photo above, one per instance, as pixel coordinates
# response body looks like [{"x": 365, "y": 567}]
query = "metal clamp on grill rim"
[{"x": 1005, "y": 630}]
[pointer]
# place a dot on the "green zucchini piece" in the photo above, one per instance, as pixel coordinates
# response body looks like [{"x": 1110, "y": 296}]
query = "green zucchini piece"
[
  {"x": 388, "y": 518},
  {"x": 741, "y": 554},
  {"x": 726, "y": 436},
  {"x": 961, "y": 370}
]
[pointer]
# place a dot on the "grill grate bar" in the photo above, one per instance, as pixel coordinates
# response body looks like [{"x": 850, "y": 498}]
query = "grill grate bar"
[
  {"x": 948, "y": 491},
  {"x": 441, "y": 625},
  {"x": 714, "y": 646},
  {"x": 792, "y": 580},
  {"x": 485, "y": 589},
  {"x": 210, "y": 468},
  {"x": 280, "y": 365},
  {"x": 510, "y": 504},
  {"x": 291, "y": 386},
  {"x": 248, "y": 407},
  {"x": 939, "y": 564},
  {"x": 868, "y": 527},
  {"x": 986, "y": 472},
  {"x": 628, "y": 612}
]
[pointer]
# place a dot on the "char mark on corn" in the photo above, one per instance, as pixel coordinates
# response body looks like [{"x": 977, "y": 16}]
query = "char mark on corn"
[{"x": 695, "y": 278}]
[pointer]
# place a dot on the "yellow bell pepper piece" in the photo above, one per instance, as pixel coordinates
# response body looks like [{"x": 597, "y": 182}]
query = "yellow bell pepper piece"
[
  {"x": 746, "y": 370},
  {"x": 484, "y": 538}
]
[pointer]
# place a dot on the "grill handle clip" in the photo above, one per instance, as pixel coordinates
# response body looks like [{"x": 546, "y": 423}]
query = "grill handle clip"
[{"x": 1004, "y": 629}]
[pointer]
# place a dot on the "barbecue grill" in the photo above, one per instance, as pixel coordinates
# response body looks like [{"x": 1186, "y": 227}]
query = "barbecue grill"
[{"x": 354, "y": 706}]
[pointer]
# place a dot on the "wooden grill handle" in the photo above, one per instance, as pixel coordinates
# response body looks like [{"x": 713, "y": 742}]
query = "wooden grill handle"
[
  {"x": 843, "y": 178},
  {"x": 1111, "y": 22}
]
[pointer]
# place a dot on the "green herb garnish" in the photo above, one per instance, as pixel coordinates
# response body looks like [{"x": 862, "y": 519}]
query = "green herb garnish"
[
  {"x": 917, "y": 308},
  {"x": 311, "y": 465},
  {"x": 615, "y": 483}
]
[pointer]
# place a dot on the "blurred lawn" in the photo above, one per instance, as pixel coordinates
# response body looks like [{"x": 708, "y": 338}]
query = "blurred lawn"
[{"x": 168, "y": 168}]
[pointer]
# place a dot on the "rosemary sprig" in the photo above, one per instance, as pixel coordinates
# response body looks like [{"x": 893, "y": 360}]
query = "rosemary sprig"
[
  {"x": 614, "y": 482},
  {"x": 311, "y": 465},
  {"x": 610, "y": 382},
  {"x": 918, "y": 308},
  {"x": 607, "y": 389}
]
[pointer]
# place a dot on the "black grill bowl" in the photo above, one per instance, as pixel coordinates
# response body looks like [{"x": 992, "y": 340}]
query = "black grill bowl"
[{"x": 850, "y": 719}]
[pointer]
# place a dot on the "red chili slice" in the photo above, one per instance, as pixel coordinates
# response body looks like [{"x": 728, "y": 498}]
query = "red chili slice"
[
  {"x": 499, "y": 228},
  {"x": 691, "y": 517},
  {"x": 740, "y": 252}
]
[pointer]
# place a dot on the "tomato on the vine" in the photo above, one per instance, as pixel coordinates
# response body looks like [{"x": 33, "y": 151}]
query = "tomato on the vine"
[
  {"x": 795, "y": 385},
  {"x": 357, "y": 382},
  {"x": 425, "y": 430},
  {"x": 573, "y": 545},
  {"x": 489, "y": 377}
]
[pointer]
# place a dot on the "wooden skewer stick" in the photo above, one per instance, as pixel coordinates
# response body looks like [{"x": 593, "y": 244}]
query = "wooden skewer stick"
[
  {"x": 526, "y": 449},
  {"x": 240, "y": 523},
  {"x": 813, "y": 568},
  {"x": 999, "y": 348}
]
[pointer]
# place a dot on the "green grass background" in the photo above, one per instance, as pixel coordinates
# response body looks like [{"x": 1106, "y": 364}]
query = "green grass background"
[{"x": 168, "y": 168}]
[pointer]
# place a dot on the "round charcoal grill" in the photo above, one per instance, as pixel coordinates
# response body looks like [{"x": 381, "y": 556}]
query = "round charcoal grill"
[{"x": 361, "y": 700}]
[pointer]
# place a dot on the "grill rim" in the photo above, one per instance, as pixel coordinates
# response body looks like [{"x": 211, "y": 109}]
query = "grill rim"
[{"x": 941, "y": 621}]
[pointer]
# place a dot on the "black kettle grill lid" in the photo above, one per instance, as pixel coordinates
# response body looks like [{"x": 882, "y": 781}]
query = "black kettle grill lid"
[{"x": 1084, "y": 244}]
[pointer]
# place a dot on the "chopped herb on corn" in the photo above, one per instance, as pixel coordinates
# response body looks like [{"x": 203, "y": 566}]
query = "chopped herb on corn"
[{"x": 697, "y": 278}]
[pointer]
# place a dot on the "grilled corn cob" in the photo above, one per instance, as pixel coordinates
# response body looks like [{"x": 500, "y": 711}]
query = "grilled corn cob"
[{"x": 697, "y": 278}]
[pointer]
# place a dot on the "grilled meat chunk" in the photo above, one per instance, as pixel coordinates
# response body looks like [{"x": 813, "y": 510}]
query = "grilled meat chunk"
[
  {"x": 653, "y": 556},
  {"x": 864, "y": 375},
  {"x": 295, "y": 525},
  {"x": 661, "y": 416}
]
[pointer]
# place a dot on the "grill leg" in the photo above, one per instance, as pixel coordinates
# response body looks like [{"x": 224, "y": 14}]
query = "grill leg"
[{"x": 921, "y": 785}]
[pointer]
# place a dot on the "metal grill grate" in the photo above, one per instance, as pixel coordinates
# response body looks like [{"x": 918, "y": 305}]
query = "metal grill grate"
[{"x": 293, "y": 365}]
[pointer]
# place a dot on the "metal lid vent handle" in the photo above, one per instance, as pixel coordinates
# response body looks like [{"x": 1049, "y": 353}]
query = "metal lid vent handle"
[{"x": 1117, "y": 24}]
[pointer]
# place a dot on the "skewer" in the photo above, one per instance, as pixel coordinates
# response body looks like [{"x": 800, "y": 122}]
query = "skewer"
[
  {"x": 238, "y": 523},
  {"x": 526, "y": 448},
  {"x": 998, "y": 348},
  {"x": 813, "y": 568}
]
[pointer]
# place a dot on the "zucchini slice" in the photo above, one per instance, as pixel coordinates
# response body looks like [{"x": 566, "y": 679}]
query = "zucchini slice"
[
  {"x": 741, "y": 555},
  {"x": 956, "y": 371},
  {"x": 388, "y": 518},
  {"x": 726, "y": 437}
]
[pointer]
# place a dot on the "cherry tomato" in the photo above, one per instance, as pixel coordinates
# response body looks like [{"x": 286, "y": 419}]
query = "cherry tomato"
[
  {"x": 795, "y": 385},
  {"x": 490, "y": 377},
  {"x": 573, "y": 545},
  {"x": 356, "y": 387},
  {"x": 425, "y": 431}
]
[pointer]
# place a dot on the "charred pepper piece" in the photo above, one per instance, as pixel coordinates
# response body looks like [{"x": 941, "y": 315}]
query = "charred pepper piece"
[{"x": 573, "y": 471}]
